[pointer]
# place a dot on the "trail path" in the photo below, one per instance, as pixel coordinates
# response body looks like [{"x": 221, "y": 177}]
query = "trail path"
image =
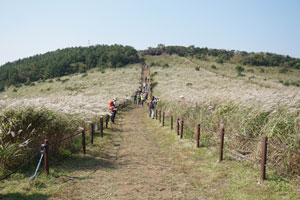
[{"x": 146, "y": 166}]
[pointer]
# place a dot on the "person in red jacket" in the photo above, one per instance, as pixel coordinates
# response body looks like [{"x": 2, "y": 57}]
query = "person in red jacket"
[{"x": 112, "y": 107}]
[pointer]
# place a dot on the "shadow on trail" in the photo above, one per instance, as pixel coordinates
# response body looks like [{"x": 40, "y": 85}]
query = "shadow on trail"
[{"x": 19, "y": 196}]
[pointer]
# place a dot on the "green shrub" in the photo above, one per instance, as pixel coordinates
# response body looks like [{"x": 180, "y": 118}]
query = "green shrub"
[
  {"x": 286, "y": 83},
  {"x": 197, "y": 68},
  {"x": 283, "y": 70},
  {"x": 280, "y": 81},
  {"x": 250, "y": 70},
  {"x": 261, "y": 70},
  {"x": 213, "y": 67},
  {"x": 189, "y": 84},
  {"x": 18, "y": 85},
  {"x": 239, "y": 68},
  {"x": 15, "y": 90},
  {"x": 57, "y": 79},
  {"x": 28, "y": 82},
  {"x": 220, "y": 61},
  {"x": 152, "y": 64},
  {"x": 50, "y": 81},
  {"x": 165, "y": 65}
]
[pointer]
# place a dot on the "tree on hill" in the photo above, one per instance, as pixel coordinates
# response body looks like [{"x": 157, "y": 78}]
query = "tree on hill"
[{"x": 66, "y": 61}]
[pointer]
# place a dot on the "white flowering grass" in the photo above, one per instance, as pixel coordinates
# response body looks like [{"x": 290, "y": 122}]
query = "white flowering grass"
[
  {"x": 85, "y": 96},
  {"x": 181, "y": 78}
]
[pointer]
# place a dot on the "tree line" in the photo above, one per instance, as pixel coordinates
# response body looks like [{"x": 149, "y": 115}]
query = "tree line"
[
  {"x": 65, "y": 61},
  {"x": 221, "y": 55}
]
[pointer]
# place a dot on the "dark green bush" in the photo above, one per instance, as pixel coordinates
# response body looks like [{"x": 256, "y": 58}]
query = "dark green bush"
[
  {"x": 220, "y": 61},
  {"x": 165, "y": 65},
  {"x": 197, "y": 68},
  {"x": 213, "y": 67},
  {"x": 283, "y": 70},
  {"x": 261, "y": 70},
  {"x": 239, "y": 68}
]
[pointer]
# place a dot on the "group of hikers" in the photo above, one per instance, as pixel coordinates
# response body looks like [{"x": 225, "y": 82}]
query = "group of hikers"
[{"x": 140, "y": 97}]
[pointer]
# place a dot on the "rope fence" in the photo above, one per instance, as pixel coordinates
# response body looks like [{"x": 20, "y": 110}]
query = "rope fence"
[
  {"x": 241, "y": 150},
  {"x": 46, "y": 145}
]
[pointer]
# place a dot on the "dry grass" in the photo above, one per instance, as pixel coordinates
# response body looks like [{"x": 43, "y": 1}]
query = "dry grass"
[
  {"x": 181, "y": 78},
  {"x": 83, "y": 94}
]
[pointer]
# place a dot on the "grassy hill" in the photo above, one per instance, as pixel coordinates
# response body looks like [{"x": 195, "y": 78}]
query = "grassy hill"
[{"x": 85, "y": 94}]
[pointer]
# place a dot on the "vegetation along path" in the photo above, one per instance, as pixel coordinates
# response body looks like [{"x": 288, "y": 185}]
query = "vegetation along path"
[{"x": 147, "y": 161}]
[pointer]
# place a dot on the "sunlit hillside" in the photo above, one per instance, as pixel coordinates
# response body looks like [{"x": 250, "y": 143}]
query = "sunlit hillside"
[{"x": 84, "y": 94}]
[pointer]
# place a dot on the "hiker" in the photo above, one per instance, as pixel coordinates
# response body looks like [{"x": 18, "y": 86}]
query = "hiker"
[
  {"x": 146, "y": 95},
  {"x": 113, "y": 109},
  {"x": 144, "y": 87},
  {"x": 134, "y": 96},
  {"x": 152, "y": 106},
  {"x": 142, "y": 99},
  {"x": 146, "y": 79},
  {"x": 151, "y": 87},
  {"x": 139, "y": 98}
]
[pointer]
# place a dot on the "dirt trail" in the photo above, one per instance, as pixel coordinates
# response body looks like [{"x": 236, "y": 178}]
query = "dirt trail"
[{"x": 145, "y": 167}]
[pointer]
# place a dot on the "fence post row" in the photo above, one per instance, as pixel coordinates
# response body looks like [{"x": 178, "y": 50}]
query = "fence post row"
[
  {"x": 155, "y": 114},
  {"x": 181, "y": 130},
  {"x": 171, "y": 122},
  {"x": 46, "y": 156},
  {"x": 163, "y": 119},
  {"x": 83, "y": 141},
  {"x": 221, "y": 144},
  {"x": 101, "y": 126},
  {"x": 92, "y": 133},
  {"x": 177, "y": 126},
  {"x": 264, "y": 157},
  {"x": 198, "y": 136}
]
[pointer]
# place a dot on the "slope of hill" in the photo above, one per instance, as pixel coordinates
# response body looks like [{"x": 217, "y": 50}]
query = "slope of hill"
[
  {"x": 221, "y": 84},
  {"x": 66, "y": 61},
  {"x": 84, "y": 94}
]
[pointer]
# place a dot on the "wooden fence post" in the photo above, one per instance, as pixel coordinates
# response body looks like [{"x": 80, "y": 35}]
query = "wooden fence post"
[
  {"x": 264, "y": 157},
  {"x": 106, "y": 121},
  {"x": 181, "y": 129},
  {"x": 83, "y": 141},
  {"x": 159, "y": 116},
  {"x": 221, "y": 144},
  {"x": 46, "y": 156},
  {"x": 171, "y": 122},
  {"x": 178, "y": 126},
  {"x": 92, "y": 133},
  {"x": 101, "y": 126},
  {"x": 155, "y": 114},
  {"x": 163, "y": 119},
  {"x": 198, "y": 136}
]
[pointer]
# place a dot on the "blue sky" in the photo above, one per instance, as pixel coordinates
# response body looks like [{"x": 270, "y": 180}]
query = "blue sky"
[{"x": 30, "y": 27}]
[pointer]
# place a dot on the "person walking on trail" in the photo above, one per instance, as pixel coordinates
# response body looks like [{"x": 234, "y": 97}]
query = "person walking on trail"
[
  {"x": 142, "y": 98},
  {"x": 139, "y": 98},
  {"x": 152, "y": 106},
  {"x": 112, "y": 107},
  {"x": 134, "y": 96},
  {"x": 150, "y": 87}
]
